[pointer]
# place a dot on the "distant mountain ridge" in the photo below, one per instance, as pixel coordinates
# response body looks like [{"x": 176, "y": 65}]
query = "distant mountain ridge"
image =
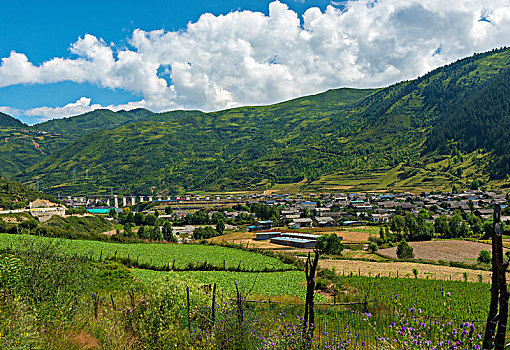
[{"x": 409, "y": 136}]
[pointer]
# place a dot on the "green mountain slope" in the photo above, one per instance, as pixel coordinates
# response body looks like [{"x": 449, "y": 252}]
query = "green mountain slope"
[
  {"x": 340, "y": 139},
  {"x": 104, "y": 119},
  {"x": 196, "y": 151},
  {"x": 14, "y": 195},
  {"x": 100, "y": 119},
  {"x": 22, "y": 148},
  {"x": 6, "y": 121}
]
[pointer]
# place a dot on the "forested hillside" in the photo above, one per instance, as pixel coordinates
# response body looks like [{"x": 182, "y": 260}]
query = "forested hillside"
[
  {"x": 22, "y": 148},
  {"x": 218, "y": 149},
  {"x": 6, "y": 121},
  {"x": 100, "y": 119},
  {"x": 14, "y": 195},
  {"x": 481, "y": 120},
  {"x": 400, "y": 137}
]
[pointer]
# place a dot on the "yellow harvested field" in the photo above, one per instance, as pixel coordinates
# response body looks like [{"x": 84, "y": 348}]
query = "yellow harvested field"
[
  {"x": 404, "y": 269},
  {"x": 353, "y": 237},
  {"x": 244, "y": 238}
]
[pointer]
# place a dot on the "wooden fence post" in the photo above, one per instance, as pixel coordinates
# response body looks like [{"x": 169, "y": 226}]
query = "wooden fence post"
[
  {"x": 213, "y": 308},
  {"x": 188, "y": 307},
  {"x": 499, "y": 291},
  {"x": 239, "y": 305}
]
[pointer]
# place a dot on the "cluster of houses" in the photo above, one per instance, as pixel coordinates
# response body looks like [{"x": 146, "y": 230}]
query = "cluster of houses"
[{"x": 329, "y": 210}]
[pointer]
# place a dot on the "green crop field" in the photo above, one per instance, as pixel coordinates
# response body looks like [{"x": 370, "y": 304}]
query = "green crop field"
[
  {"x": 161, "y": 255},
  {"x": 272, "y": 284},
  {"x": 445, "y": 299}
]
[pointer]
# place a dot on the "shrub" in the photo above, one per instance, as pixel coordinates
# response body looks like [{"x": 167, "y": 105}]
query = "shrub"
[
  {"x": 321, "y": 284},
  {"x": 485, "y": 257},
  {"x": 404, "y": 250}
]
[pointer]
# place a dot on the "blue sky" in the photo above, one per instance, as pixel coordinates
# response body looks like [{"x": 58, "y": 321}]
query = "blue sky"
[{"x": 129, "y": 54}]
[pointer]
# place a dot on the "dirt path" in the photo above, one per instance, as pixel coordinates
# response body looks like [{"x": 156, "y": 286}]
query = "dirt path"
[{"x": 109, "y": 233}]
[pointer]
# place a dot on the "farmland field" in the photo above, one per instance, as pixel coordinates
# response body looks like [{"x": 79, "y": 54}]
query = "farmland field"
[
  {"x": 445, "y": 299},
  {"x": 272, "y": 284},
  {"x": 160, "y": 254},
  {"x": 450, "y": 250},
  {"x": 405, "y": 269}
]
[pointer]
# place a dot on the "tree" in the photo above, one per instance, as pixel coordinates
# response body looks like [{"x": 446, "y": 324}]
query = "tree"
[
  {"x": 112, "y": 213},
  {"x": 372, "y": 247},
  {"x": 387, "y": 235},
  {"x": 168, "y": 210},
  {"x": 220, "y": 227},
  {"x": 156, "y": 234},
  {"x": 485, "y": 257},
  {"x": 404, "y": 250},
  {"x": 441, "y": 225},
  {"x": 476, "y": 224},
  {"x": 141, "y": 233},
  {"x": 475, "y": 184},
  {"x": 167, "y": 232},
  {"x": 330, "y": 244},
  {"x": 150, "y": 219},
  {"x": 130, "y": 217},
  {"x": 127, "y": 230},
  {"x": 397, "y": 224},
  {"x": 138, "y": 219},
  {"x": 381, "y": 234}
]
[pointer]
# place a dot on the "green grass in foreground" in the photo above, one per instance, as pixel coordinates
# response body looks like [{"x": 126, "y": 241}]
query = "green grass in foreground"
[
  {"x": 160, "y": 254},
  {"x": 446, "y": 299}
]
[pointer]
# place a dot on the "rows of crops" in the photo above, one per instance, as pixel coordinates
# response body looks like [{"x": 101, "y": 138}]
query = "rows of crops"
[
  {"x": 161, "y": 255},
  {"x": 446, "y": 299},
  {"x": 287, "y": 283}
]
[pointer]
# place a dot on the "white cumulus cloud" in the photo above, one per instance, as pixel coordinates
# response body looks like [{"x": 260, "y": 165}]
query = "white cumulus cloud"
[
  {"x": 247, "y": 57},
  {"x": 82, "y": 105}
]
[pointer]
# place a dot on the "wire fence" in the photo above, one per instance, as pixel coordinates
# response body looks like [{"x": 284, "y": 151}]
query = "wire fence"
[{"x": 262, "y": 326}]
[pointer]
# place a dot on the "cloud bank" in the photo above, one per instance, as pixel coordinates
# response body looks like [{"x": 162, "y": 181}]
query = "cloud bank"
[{"x": 247, "y": 58}]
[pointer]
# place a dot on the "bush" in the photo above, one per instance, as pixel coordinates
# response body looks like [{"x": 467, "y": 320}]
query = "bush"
[
  {"x": 330, "y": 244},
  {"x": 404, "y": 250},
  {"x": 321, "y": 284},
  {"x": 485, "y": 257},
  {"x": 372, "y": 247}
]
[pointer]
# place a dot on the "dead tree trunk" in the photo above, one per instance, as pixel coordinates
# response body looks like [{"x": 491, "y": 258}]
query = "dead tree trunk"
[
  {"x": 499, "y": 290},
  {"x": 309, "y": 319}
]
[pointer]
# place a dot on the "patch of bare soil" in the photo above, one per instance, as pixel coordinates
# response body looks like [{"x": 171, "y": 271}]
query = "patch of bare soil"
[
  {"x": 451, "y": 250},
  {"x": 109, "y": 233},
  {"x": 86, "y": 341}
]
